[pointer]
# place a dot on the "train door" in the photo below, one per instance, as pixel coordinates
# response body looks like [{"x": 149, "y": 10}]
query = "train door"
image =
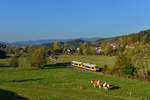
[
  {"x": 78, "y": 64},
  {"x": 81, "y": 65},
  {"x": 73, "y": 64},
  {"x": 94, "y": 68},
  {"x": 84, "y": 66},
  {"x": 91, "y": 67}
]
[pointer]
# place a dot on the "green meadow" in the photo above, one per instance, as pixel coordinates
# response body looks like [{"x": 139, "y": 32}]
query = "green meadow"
[
  {"x": 65, "y": 83},
  {"x": 94, "y": 59}
]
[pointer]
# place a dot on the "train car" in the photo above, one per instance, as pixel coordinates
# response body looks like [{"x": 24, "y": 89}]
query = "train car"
[
  {"x": 74, "y": 63},
  {"x": 80, "y": 64},
  {"x": 84, "y": 65},
  {"x": 87, "y": 66}
]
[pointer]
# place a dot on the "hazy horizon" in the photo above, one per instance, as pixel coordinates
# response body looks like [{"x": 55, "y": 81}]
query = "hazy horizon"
[{"x": 23, "y": 20}]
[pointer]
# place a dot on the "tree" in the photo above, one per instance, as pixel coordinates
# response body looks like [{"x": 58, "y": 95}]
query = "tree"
[
  {"x": 31, "y": 49},
  {"x": 129, "y": 69},
  {"x": 39, "y": 58},
  {"x": 123, "y": 42},
  {"x": 141, "y": 58},
  {"x": 108, "y": 49},
  {"x": 119, "y": 62},
  {"x": 87, "y": 50},
  {"x": 57, "y": 47},
  {"x": 13, "y": 62}
]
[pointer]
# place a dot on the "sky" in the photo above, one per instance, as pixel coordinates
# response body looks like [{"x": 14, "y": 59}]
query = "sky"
[{"x": 22, "y": 20}]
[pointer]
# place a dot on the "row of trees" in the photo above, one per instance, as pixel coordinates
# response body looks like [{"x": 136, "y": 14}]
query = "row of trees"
[
  {"x": 38, "y": 59},
  {"x": 142, "y": 37},
  {"x": 134, "y": 62}
]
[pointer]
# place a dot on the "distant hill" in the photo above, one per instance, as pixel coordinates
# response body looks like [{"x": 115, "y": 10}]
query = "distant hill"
[
  {"x": 140, "y": 36},
  {"x": 33, "y": 42},
  {"x": 40, "y": 42},
  {"x": 2, "y": 42},
  {"x": 111, "y": 39},
  {"x": 135, "y": 37},
  {"x": 132, "y": 38},
  {"x": 75, "y": 43},
  {"x": 91, "y": 39}
]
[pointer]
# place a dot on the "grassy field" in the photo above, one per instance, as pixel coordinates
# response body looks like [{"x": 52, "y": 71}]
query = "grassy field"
[
  {"x": 96, "y": 59},
  {"x": 99, "y": 60},
  {"x": 65, "y": 83}
]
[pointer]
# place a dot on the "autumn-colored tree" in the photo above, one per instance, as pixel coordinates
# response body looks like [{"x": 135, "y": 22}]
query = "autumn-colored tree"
[
  {"x": 57, "y": 47},
  {"x": 103, "y": 45},
  {"x": 123, "y": 42},
  {"x": 87, "y": 50},
  {"x": 108, "y": 49},
  {"x": 84, "y": 49}
]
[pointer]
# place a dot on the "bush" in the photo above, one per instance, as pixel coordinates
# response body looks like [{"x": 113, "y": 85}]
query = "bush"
[
  {"x": 105, "y": 68},
  {"x": 13, "y": 62},
  {"x": 129, "y": 69},
  {"x": 39, "y": 58}
]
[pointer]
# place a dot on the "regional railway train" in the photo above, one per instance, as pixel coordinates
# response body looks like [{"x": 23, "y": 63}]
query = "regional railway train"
[{"x": 86, "y": 66}]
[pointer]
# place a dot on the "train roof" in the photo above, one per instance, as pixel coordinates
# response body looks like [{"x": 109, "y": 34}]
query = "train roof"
[
  {"x": 77, "y": 62},
  {"x": 87, "y": 64}
]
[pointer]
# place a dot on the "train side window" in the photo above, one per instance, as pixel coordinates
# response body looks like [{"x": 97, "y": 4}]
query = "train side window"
[{"x": 96, "y": 67}]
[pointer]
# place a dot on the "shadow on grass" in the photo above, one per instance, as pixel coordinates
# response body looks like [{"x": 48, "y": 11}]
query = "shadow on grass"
[
  {"x": 8, "y": 95},
  {"x": 1, "y": 66},
  {"x": 114, "y": 87},
  {"x": 54, "y": 66},
  {"x": 26, "y": 80}
]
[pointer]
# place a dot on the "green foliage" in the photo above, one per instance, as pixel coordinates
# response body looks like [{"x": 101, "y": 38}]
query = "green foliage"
[
  {"x": 134, "y": 61},
  {"x": 120, "y": 61},
  {"x": 39, "y": 58},
  {"x": 105, "y": 67},
  {"x": 123, "y": 63},
  {"x": 87, "y": 50},
  {"x": 57, "y": 47},
  {"x": 31, "y": 49},
  {"x": 13, "y": 62},
  {"x": 108, "y": 49},
  {"x": 141, "y": 58},
  {"x": 129, "y": 69},
  {"x": 123, "y": 42},
  {"x": 73, "y": 43}
]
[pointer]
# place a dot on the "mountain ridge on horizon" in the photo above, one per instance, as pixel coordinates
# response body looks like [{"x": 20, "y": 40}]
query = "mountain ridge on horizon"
[{"x": 40, "y": 42}]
